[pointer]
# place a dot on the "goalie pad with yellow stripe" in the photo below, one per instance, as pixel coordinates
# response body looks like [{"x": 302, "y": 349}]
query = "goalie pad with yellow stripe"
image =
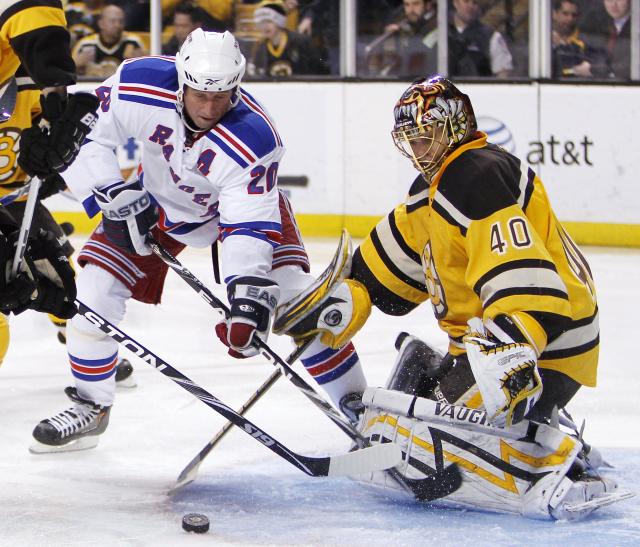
[{"x": 520, "y": 470}]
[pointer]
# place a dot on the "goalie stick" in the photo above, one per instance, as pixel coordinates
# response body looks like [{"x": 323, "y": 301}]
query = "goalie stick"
[
  {"x": 439, "y": 484},
  {"x": 370, "y": 459}
]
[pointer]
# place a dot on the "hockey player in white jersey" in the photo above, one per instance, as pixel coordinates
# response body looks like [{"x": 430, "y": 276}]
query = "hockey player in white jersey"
[{"x": 210, "y": 156}]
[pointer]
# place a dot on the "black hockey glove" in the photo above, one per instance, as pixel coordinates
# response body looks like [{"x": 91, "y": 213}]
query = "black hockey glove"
[
  {"x": 42, "y": 151},
  {"x": 69, "y": 131},
  {"x": 51, "y": 185},
  {"x": 128, "y": 214},
  {"x": 54, "y": 275},
  {"x": 45, "y": 281},
  {"x": 34, "y": 144},
  {"x": 15, "y": 295},
  {"x": 253, "y": 301}
]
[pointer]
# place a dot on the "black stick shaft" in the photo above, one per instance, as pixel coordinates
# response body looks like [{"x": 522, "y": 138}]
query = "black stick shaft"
[
  {"x": 266, "y": 351},
  {"x": 310, "y": 466}
]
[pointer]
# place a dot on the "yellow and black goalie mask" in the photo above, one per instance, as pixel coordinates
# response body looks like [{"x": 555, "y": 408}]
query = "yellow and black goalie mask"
[{"x": 431, "y": 118}]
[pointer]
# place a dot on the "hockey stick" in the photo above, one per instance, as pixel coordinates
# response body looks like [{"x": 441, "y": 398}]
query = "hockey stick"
[
  {"x": 190, "y": 471},
  {"x": 16, "y": 194},
  {"x": 262, "y": 346},
  {"x": 8, "y": 97},
  {"x": 25, "y": 227},
  {"x": 361, "y": 461},
  {"x": 440, "y": 484}
]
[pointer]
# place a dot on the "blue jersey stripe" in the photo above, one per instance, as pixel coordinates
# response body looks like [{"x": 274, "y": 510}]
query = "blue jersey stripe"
[
  {"x": 184, "y": 228},
  {"x": 146, "y": 100},
  {"x": 153, "y": 71},
  {"x": 227, "y": 150},
  {"x": 91, "y": 206},
  {"x": 272, "y": 226},
  {"x": 249, "y": 233},
  {"x": 251, "y": 129}
]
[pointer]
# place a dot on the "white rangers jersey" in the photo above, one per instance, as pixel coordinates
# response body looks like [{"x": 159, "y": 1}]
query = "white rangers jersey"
[{"x": 226, "y": 179}]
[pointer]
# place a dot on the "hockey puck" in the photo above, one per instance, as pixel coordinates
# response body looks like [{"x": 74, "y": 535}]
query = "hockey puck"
[{"x": 195, "y": 522}]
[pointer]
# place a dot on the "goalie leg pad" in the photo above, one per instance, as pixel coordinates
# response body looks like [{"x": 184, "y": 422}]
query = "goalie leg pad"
[{"x": 514, "y": 470}]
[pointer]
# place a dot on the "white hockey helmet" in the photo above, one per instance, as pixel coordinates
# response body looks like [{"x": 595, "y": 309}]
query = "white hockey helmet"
[{"x": 210, "y": 61}]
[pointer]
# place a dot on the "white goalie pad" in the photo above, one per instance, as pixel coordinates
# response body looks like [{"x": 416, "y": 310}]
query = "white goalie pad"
[{"x": 452, "y": 456}]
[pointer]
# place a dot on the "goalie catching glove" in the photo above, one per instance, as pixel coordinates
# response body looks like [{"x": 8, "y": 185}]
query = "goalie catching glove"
[
  {"x": 253, "y": 301},
  {"x": 44, "y": 152},
  {"x": 506, "y": 374},
  {"x": 127, "y": 215},
  {"x": 45, "y": 281}
]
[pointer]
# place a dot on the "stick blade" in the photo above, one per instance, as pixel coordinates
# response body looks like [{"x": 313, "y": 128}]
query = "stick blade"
[
  {"x": 365, "y": 460},
  {"x": 188, "y": 475}
]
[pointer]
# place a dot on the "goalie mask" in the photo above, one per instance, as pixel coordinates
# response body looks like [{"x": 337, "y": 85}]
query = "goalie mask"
[
  {"x": 209, "y": 61},
  {"x": 432, "y": 118}
]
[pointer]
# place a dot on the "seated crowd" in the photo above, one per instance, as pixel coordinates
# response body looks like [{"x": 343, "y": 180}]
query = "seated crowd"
[{"x": 396, "y": 38}]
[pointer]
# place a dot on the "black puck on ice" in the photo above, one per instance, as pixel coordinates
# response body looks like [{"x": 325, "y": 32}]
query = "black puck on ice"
[{"x": 195, "y": 522}]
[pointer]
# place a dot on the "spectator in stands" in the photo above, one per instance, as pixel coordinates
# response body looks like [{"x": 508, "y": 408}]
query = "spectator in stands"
[
  {"x": 186, "y": 17},
  {"x": 82, "y": 18},
  {"x": 320, "y": 21},
  {"x": 619, "y": 37},
  {"x": 100, "y": 54},
  {"x": 136, "y": 13},
  {"x": 571, "y": 55},
  {"x": 475, "y": 49},
  {"x": 293, "y": 11},
  {"x": 282, "y": 52},
  {"x": 409, "y": 46},
  {"x": 216, "y": 15},
  {"x": 608, "y": 25}
]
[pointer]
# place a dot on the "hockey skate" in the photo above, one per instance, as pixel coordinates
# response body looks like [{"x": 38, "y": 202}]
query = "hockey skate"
[
  {"x": 352, "y": 407},
  {"x": 575, "y": 499},
  {"x": 76, "y": 428}
]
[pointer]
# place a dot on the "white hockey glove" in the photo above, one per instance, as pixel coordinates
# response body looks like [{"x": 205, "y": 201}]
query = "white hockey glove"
[
  {"x": 128, "y": 214},
  {"x": 506, "y": 374},
  {"x": 253, "y": 301}
]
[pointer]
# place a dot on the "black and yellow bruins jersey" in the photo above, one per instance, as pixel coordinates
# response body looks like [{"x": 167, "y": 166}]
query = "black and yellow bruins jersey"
[
  {"x": 483, "y": 241},
  {"x": 109, "y": 56},
  {"x": 33, "y": 33},
  {"x": 26, "y": 109}
]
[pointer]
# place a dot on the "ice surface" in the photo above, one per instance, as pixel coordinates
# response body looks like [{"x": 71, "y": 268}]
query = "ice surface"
[{"x": 116, "y": 494}]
